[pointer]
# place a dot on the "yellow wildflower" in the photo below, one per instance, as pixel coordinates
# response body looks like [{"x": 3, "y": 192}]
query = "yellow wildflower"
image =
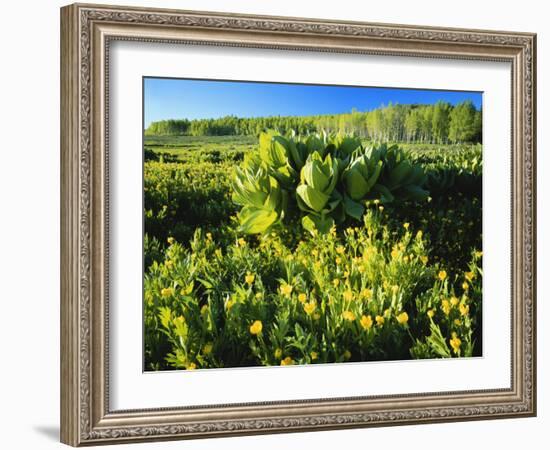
[
  {"x": 229, "y": 304},
  {"x": 309, "y": 307},
  {"x": 288, "y": 361},
  {"x": 286, "y": 289},
  {"x": 171, "y": 240},
  {"x": 455, "y": 342},
  {"x": 366, "y": 322},
  {"x": 464, "y": 309},
  {"x": 419, "y": 234},
  {"x": 379, "y": 320},
  {"x": 406, "y": 225},
  {"x": 346, "y": 274},
  {"x": 209, "y": 236},
  {"x": 395, "y": 288},
  {"x": 469, "y": 276},
  {"x": 169, "y": 264},
  {"x": 278, "y": 353},
  {"x": 361, "y": 268},
  {"x": 166, "y": 292},
  {"x": 431, "y": 313},
  {"x": 249, "y": 278},
  {"x": 381, "y": 208},
  {"x": 256, "y": 327},
  {"x": 454, "y": 301},
  {"x": 207, "y": 349},
  {"x": 465, "y": 286},
  {"x": 338, "y": 260},
  {"x": 395, "y": 253},
  {"x": 402, "y": 318},
  {"x": 302, "y": 297},
  {"x": 348, "y": 295},
  {"x": 259, "y": 295},
  {"x": 349, "y": 316},
  {"x": 366, "y": 293},
  {"x": 424, "y": 260},
  {"x": 340, "y": 249},
  {"x": 241, "y": 242},
  {"x": 191, "y": 366},
  {"x": 446, "y": 307},
  {"x": 387, "y": 313},
  {"x": 442, "y": 275},
  {"x": 457, "y": 321},
  {"x": 478, "y": 254},
  {"x": 336, "y": 282},
  {"x": 376, "y": 201},
  {"x": 314, "y": 355}
]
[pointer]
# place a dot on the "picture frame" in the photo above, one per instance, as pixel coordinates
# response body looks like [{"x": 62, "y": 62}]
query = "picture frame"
[{"x": 87, "y": 32}]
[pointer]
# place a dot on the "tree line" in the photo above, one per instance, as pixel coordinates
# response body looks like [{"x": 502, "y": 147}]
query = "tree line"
[{"x": 438, "y": 123}]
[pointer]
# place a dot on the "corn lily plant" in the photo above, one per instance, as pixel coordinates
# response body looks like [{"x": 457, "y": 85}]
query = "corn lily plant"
[{"x": 321, "y": 178}]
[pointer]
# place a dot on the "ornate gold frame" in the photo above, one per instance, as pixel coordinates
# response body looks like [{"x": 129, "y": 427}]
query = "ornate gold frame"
[{"x": 86, "y": 31}]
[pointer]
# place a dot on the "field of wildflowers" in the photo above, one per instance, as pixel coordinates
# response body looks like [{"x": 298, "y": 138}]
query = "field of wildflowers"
[{"x": 308, "y": 250}]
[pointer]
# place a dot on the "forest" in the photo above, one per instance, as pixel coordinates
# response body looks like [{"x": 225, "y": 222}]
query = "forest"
[{"x": 438, "y": 123}]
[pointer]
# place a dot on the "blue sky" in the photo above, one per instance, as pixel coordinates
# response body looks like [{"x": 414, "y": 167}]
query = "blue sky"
[{"x": 198, "y": 99}]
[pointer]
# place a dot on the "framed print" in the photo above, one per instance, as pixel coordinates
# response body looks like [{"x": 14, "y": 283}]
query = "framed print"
[{"x": 281, "y": 224}]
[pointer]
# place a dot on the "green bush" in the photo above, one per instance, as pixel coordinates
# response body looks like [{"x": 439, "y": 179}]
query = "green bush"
[{"x": 320, "y": 180}]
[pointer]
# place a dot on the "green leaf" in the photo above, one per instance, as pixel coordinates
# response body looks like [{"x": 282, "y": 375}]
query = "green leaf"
[
  {"x": 375, "y": 175},
  {"x": 165, "y": 315},
  {"x": 255, "y": 221},
  {"x": 314, "y": 199},
  {"x": 313, "y": 223},
  {"x": 356, "y": 185},
  {"x": 205, "y": 283},
  {"x": 309, "y": 224},
  {"x": 399, "y": 174},
  {"x": 353, "y": 209},
  {"x": 385, "y": 194},
  {"x": 437, "y": 341}
]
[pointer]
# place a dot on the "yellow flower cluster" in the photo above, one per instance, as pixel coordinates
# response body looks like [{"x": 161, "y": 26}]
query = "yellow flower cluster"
[
  {"x": 366, "y": 322},
  {"x": 455, "y": 342},
  {"x": 166, "y": 292},
  {"x": 288, "y": 361},
  {"x": 286, "y": 289},
  {"x": 256, "y": 327},
  {"x": 349, "y": 316},
  {"x": 348, "y": 295},
  {"x": 249, "y": 278},
  {"x": 402, "y": 318},
  {"x": 309, "y": 307}
]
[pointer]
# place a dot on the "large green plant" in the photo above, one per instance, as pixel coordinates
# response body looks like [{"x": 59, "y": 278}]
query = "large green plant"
[{"x": 321, "y": 179}]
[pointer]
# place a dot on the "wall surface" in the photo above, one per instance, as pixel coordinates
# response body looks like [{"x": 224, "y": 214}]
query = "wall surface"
[{"x": 29, "y": 225}]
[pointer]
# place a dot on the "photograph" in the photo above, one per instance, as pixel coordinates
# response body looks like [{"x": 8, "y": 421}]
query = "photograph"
[
  {"x": 282, "y": 221},
  {"x": 295, "y": 224}
]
